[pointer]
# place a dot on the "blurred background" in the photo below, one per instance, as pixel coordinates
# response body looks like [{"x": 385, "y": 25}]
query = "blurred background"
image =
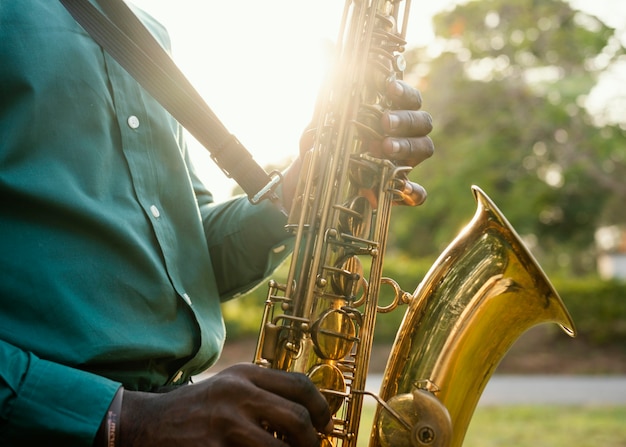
[{"x": 528, "y": 99}]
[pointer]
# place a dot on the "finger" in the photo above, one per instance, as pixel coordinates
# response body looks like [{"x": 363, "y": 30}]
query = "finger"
[
  {"x": 404, "y": 96},
  {"x": 291, "y": 422},
  {"x": 257, "y": 435},
  {"x": 408, "y": 151},
  {"x": 296, "y": 388},
  {"x": 299, "y": 389},
  {"x": 307, "y": 139},
  {"x": 408, "y": 123},
  {"x": 267, "y": 399}
]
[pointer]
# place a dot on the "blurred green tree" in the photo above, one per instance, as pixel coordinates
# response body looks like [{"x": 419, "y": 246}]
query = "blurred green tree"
[{"x": 506, "y": 83}]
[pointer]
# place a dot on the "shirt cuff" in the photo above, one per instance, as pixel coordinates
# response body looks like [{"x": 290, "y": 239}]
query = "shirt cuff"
[{"x": 59, "y": 405}]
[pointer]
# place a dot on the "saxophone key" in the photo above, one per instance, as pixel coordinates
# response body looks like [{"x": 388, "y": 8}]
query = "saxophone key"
[{"x": 408, "y": 193}]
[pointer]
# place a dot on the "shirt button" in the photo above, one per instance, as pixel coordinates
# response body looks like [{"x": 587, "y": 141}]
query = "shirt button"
[
  {"x": 133, "y": 122},
  {"x": 187, "y": 299},
  {"x": 155, "y": 211},
  {"x": 279, "y": 249}
]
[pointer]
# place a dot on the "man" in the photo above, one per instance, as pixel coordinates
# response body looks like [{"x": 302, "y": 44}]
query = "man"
[{"x": 114, "y": 258}]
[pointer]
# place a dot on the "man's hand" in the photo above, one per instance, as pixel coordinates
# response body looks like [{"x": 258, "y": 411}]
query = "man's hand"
[
  {"x": 406, "y": 127},
  {"x": 241, "y": 406},
  {"x": 405, "y": 140}
]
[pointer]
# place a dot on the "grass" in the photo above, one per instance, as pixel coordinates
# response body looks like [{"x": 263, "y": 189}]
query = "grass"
[{"x": 544, "y": 426}]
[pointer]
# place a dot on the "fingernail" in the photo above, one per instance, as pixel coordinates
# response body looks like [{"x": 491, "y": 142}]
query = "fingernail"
[
  {"x": 393, "y": 121},
  {"x": 395, "y": 146}
]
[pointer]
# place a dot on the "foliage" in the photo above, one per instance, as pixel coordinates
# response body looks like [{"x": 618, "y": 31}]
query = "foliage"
[
  {"x": 598, "y": 307},
  {"x": 507, "y": 94}
]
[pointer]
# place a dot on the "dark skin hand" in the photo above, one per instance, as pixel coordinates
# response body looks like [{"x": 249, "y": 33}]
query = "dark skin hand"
[
  {"x": 406, "y": 140},
  {"x": 245, "y": 404},
  {"x": 237, "y": 407},
  {"x": 406, "y": 127}
]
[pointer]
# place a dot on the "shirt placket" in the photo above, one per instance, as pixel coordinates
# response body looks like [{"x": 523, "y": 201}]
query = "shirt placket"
[{"x": 148, "y": 177}]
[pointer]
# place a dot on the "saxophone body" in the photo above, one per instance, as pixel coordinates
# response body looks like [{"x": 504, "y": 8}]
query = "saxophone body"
[{"x": 320, "y": 319}]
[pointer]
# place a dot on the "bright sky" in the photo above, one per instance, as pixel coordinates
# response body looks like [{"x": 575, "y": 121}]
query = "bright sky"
[{"x": 258, "y": 64}]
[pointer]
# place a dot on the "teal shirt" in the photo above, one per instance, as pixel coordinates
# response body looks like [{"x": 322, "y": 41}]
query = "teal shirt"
[{"x": 113, "y": 256}]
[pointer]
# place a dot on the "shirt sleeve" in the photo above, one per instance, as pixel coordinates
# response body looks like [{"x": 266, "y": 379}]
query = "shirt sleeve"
[
  {"x": 48, "y": 402},
  {"x": 246, "y": 243}
]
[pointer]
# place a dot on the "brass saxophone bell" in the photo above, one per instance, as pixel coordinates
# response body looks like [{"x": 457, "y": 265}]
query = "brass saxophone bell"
[{"x": 484, "y": 291}]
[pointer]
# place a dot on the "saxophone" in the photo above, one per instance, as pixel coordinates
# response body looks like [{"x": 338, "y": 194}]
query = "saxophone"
[{"x": 482, "y": 293}]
